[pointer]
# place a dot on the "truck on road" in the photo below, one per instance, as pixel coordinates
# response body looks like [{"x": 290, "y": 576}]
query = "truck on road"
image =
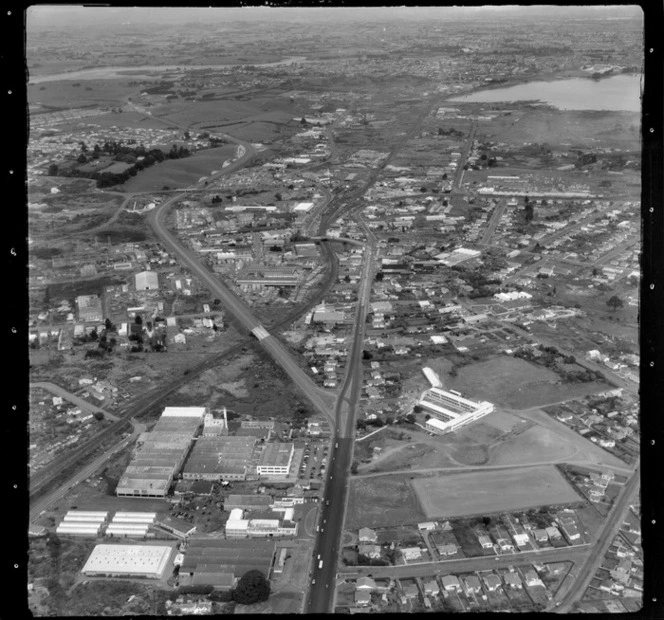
[{"x": 320, "y": 564}]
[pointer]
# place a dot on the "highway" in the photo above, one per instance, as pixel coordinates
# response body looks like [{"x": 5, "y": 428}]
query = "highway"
[{"x": 321, "y": 595}]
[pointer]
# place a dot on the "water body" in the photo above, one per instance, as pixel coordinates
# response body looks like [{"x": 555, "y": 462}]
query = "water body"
[
  {"x": 107, "y": 73},
  {"x": 616, "y": 93}
]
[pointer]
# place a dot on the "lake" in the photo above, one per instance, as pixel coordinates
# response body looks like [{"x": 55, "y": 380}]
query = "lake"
[{"x": 616, "y": 93}]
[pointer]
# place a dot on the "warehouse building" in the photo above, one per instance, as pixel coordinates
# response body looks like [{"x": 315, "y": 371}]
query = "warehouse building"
[
  {"x": 148, "y": 561},
  {"x": 146, "y": 281},
  {"x": 220, "y": 458},
  {"x": 220, "y": 562},
  {"x": 276, "y": 459},
  {"x": 161, "y": 453}
]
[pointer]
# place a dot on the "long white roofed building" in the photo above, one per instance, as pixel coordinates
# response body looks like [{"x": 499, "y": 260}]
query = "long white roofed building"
[{"x": 450, "y": 411}]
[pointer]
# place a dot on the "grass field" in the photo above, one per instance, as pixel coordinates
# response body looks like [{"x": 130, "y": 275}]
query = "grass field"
[
  {"x": 481, "y": 493},
  {"x": 381, "y": 502},
  {"x": 177, "y": 173},
  {"x": 515, "y": 383}
]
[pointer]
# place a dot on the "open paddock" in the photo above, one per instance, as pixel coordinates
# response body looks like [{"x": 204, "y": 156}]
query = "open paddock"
[
  {"x": 177, "y": 173},
  {"x": 485, "y": 492},
  {"x": 381, "y": 501}
]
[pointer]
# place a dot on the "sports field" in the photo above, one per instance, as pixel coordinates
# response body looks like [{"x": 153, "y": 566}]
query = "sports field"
[{"x": 485, "y": 492}]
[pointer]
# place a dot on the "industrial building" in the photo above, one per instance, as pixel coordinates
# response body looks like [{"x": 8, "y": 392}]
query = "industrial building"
[
  {"x": 220, "y": 458},
  {"x": 215, "y": 562},
  {"x": 89, "y": 308},
  {"x": 131, "y": 524},
  {"x": 146, "y": 281},
  {"x": 248, "y": 502},
  {"x": 260, "y": 527},
  {"x": 215, "y": 426},
  {"x": 276, "y": 459},
  {"x": 82, "y": 523},
  {"x": 450, "y": 410},
  {"x": 269, "y": 276},
  {"x": 161, "y": 453},
  {"x": 149, "y": 561}
]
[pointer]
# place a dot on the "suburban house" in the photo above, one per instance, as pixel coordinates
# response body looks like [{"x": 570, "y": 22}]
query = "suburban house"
[
  {"x": 447, "y": 549},
  {"x": 365, "y": 583},
  {"x": 362, "y": 597},
  {"x": 553, "y": 533},
  {"x": 540, "y": 535},
  {"x": 491, "y": 581},
  {"x": 411, "y": 553},
  {"x": 513, "y": 580},
  {"x": 370, "y": 551},
  {"x": 427, "y": 525},
  {"x": 368, "y": 535},
  {"x": 451, "y": 582},
  {"x": 532, "y": 578},
  {"x": 431, "y": 587},
  {"x": 410, "y": 591},
  {"x": 485, "y": 541},
  {"x": 472, "y": 585}
]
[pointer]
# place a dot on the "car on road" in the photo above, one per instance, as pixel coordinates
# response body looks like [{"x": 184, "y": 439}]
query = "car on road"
[
  {"x": 327, "y": 502},
  {"x": 313, "y": 581}
]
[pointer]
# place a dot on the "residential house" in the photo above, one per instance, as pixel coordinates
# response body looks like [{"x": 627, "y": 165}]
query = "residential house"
[
  {"x": 532, "y": 578},
  {"x": 553, "y": 533},
  {"x": 370, "y": 551},
  {"x": 411, "y": 553},
  {"x": 447, "y": 549},
  {"x": 513, "y": 580},
  {"x": 492, "y": 582},
  {"x": 365, "y": 583},
  {"x": 410, "y": 591},
  {"x": 485, "y": 541},
  {"x": 362, "y": 597},
  {"x": 451, "y": 583},
  {"x": 431, "y": 587},
  {"x": 368, "y": 535},
  {"x": 540, "y": 535},
  {"x": 472, "y": 585}
]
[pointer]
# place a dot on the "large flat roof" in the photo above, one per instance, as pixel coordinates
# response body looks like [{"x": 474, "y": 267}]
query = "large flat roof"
[
  {"x": 183, "y": 412},
  {"x": 276, "y": 454},
  {"x": 150, "y": 560}
]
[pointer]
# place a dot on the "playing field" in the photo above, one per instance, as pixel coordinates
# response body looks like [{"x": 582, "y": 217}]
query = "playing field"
[
  {"x": 381, "y": 502},
  {"x": 484, "y": 492}
]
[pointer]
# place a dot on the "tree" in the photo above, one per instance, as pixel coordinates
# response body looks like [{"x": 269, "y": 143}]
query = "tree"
[
  {"x": 98, "y": 415},
  {"x": 53, "y": 170},
  {"x": 138, "y": 320},
  {"x": 615, "y": 302},
  {"x": 82, "y": 159},
  {"x": 252, "y": 588},
  {"x": 109, "y": 325},
  {"x": 353, "y": 467}
]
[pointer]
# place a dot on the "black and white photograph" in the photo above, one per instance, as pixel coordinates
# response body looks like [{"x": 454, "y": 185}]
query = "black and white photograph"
[{"x": 334, "y": 309}]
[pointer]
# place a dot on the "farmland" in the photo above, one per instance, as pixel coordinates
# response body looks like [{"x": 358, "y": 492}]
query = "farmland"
[
  {"x": 492, "y": 491},
  {"x": 381, "y": 502}
]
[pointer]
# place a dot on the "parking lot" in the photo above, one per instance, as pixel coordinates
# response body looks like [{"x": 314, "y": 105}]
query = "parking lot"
[{"x": 314, "y": 459}]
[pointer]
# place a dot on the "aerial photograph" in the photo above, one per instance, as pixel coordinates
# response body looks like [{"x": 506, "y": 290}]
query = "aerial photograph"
[{"x": 334, "y": 310}]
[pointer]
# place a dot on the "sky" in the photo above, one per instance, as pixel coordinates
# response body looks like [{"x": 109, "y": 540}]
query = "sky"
[{"x": 72, "y": 15}]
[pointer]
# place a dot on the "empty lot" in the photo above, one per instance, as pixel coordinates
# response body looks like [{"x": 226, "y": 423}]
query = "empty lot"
[{"x": 484, "y": 492}]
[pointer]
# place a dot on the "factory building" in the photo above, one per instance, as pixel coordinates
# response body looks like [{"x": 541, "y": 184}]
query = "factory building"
[
  {"x": 161, "y": 453},
  {"x": 149, "y": 561},
  {"x": 276, "y": 459},
  {"x": 220, "y": 458}
]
